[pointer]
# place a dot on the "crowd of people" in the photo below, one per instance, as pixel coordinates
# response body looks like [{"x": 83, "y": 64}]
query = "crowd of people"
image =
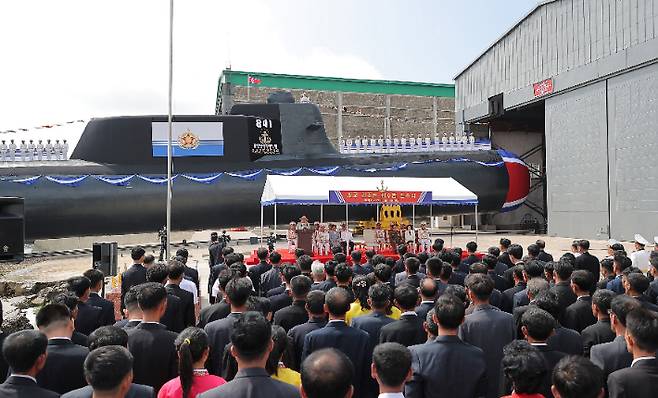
[{"x": 509, "y": 322}]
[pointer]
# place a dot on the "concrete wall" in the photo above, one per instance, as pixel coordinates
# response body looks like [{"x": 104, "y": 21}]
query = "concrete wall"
[{"x": 367, "y": 114}]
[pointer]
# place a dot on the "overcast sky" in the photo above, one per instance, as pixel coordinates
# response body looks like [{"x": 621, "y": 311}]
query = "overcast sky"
[{"x": 66, "y": 59}]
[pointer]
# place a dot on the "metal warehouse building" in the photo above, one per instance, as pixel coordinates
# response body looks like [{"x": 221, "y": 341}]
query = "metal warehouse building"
[
  {"x": 351, "y": 107},
  {"x": 573, "y": 87}
]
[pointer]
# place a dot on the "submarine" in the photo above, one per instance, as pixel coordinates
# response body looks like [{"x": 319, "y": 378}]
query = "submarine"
[{"x": 114, "y": 181}]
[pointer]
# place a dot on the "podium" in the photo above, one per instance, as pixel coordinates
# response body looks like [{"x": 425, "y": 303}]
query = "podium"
[{"x": 305, "y": 240}]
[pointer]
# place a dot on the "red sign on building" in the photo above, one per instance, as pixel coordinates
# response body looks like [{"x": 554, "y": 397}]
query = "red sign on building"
[
  {"x": 542, "y": 88},
  {"x": 355, "y": 197}
]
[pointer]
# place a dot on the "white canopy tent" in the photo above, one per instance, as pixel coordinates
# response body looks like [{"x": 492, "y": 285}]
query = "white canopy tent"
[{"x": 330, "y": 190}]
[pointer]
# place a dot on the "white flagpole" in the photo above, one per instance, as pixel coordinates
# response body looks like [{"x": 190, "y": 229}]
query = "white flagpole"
[
  {"x": 248, "y": 81},
  {"x": 169, "y": 155}
]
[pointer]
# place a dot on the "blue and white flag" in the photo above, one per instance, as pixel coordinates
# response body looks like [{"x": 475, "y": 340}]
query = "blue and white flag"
[{"x": 188, "y": 139}]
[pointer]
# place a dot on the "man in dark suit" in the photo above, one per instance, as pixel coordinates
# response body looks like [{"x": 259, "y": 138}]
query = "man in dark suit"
[
  {"x": 543, "y": 256},
  {"x": 284, "y": 299},
  {"x": 471, "y": 248},
  {"x": 238, "y": 291},
  {"x": 357, "y": 267},
  {"x": 191, "y": 274},
  {"x": 534, "y": 288},
  {"x": 109, "y": 373},
  {"x": 256, "y": 271},
  {"x": 172, "y": 318},
  {"x": 531, "y": 270},
  {"x": 487, "y": 328},
  {"x": 111, "y": 336},
  {"x": 215, "y": 250},
  {"x": 133, "y": 314},
  {"x": 410, "y": 274},
  {"x": 499, "y": 282},
  {"x": 635, "y": 285},
  {"x": 620, "y": 263},
  {"x": 408, "y": 330},
  {"x": 295, "y": 314},
  {"x": 504, "y": 255},
  {"x": 317, "y": 319},
  {"x": 428, "y": 290},
  {"x": 601, "y": 331},
  {"x": 150, "y": 343},
  {"x": 251, "y": 344},
  {"x": 500, "y": 266},
  {"x": 88, "y": 317},
  {"x": 607, "y": 273},
  {"x": 220, "y": 309},
  {"x": 565, "y": 296},
  {"x": 613, "y": 356},
  {"x": 25, "y": 353},
  {"x": 537, "y": 326},
  {"x": 465, "y": 377},
  {"x": 136, "y": 274},
  {"x": 336, "y": 334},
  {"x": 586, "y": 261},
  {"x": 564, "y": 340},
  {"x": 63, "y": 370},
  {"x": 214, "y": 274},
  {"x": 271, "y": 278},
  {"x": 575, "y": 376},
  {"x": 97, "y": 279},
  {"x": 508, "y": 295},
  {"x": 327, "y": 373},
  {"x": 515, "y": 257},
  {"x": 640, "y": 380},
  {"x": 176, "y": 272},
  {"x": 391, "y": 367},
  {"x": 579, "y": 315}
]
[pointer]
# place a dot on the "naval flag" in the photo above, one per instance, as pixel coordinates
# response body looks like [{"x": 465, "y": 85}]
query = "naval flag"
[{"x": 188, "y": 139}]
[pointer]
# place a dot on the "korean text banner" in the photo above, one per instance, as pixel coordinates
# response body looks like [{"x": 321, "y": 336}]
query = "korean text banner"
[{"x": 188, "y": 139}]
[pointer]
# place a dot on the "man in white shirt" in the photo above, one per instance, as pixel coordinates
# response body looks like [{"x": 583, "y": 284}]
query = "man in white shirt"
[
  {"x": 640, "y": 257},
  {"x": 391, "y": 367}
]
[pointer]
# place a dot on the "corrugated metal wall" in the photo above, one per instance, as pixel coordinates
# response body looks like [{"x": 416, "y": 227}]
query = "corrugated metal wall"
[
  {"x": 576, "y": 163},
  {"x": 633, "y": 143},
  {"x": 557, "y": 37}
]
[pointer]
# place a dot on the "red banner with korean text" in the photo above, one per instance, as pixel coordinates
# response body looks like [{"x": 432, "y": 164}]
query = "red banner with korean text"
[
  {"x": 542, "y": 88},
  {"x": 374, "y": 197}
]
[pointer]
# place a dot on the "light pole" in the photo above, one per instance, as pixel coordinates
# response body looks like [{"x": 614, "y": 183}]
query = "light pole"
[{"x": 169, "y": 154}]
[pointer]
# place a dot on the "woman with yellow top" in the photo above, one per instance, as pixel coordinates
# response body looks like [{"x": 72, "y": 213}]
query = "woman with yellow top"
[
  {"x": 280, "y": 355},
  {"x": 360, "y": 306}
]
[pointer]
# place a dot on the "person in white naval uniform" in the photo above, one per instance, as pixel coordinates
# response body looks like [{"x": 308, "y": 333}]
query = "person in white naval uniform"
[{"x": 640, "y": 257}]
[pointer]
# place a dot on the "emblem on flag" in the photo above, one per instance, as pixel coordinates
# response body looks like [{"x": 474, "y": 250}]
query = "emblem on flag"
[
  {"x": 188, "y": 140},
  {"x": 253, "y": 80}
]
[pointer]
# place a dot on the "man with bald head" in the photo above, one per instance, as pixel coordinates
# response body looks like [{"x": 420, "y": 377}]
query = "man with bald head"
[
  {"x": 327, "y": 373},
  {"x": 337, "y": 334}
]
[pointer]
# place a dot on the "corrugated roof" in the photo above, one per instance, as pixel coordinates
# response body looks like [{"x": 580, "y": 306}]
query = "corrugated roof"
[{"x": 507, "y": 32}]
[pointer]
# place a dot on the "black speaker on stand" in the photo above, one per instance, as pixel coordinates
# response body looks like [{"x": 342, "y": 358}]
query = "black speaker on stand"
[{"x": 12, "y": 229}]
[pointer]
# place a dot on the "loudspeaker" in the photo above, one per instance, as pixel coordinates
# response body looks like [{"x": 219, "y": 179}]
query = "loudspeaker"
[
  {"x": 105, "y": 257},
  {"x": 12, "y": 229}
]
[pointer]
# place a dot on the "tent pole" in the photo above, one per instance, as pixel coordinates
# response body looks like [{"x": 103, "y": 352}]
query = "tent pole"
[
  {"x": 321, "y": 213},
  {"x": 275, "y": 220},
  {"x": 430, "y": 215},
  {"x": 413, "y": 217},
  {"x": 261, "y": 224},
  {"x": 476, "y": 223}
]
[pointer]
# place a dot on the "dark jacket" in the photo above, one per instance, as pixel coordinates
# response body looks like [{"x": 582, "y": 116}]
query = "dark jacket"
[
  {"x": 136, "y": 391},
  {"x": 611, "y": 356},
  {"x": 63, "y": 370},
  {"x": 326, "y": 285},
  {"x": 637, "y": 381},
  {"x": 579, "y": 315},
  {"x": 590, "y": 263},
  {"x": 292, "y": 315},
  {"x": 270, "y": 279},
  {"x": 22, "y": 387},
  {"x": 213, "y": 312},
  {"x": 253, "y": 383},
  {"x": 280, "y": 301},
  {"x": 352, "y": 342},
  {"x": 598, "y": 333},
  {"x": 423, "y": 309},
  {"x": 413, "y": 280},
  {"x": 106, "y": 306},
  {"x": 565, "y": 296},
  {"x": 155, "y": 360},
  {"x": 80, "y": 339},
  {"x": 551, "y": 358},
  {"x": 566, "y": 340},
  {"x": 133, "y": 276},
  {"x": 172, "y": 319},
  {"x": 89, "y": 318},
  {"x": 489, "y": 329},
  {"x": 545, "y": 257},
  {"x": 408, "y": 331},
  {"x": 507, "y": 300},
  {"x": 127, "y": 324},
  {"x": 187, "y": 304},
  {"x": 215, "y": 253},
  {"x": 297, "y": 335},
  {"x": 499, "y": 282},
  {"x": 219, "y": 335},
  {"x": 255, "y": 273},
  {"x": 372, "y": 324},
  {"x": 602, "y": 284},
  {"x": 616, "y": 285},
  {"x": 463, "y": 370}
]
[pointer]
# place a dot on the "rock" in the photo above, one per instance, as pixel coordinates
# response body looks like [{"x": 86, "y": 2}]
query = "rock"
[{"x": 18, "y": 321}]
